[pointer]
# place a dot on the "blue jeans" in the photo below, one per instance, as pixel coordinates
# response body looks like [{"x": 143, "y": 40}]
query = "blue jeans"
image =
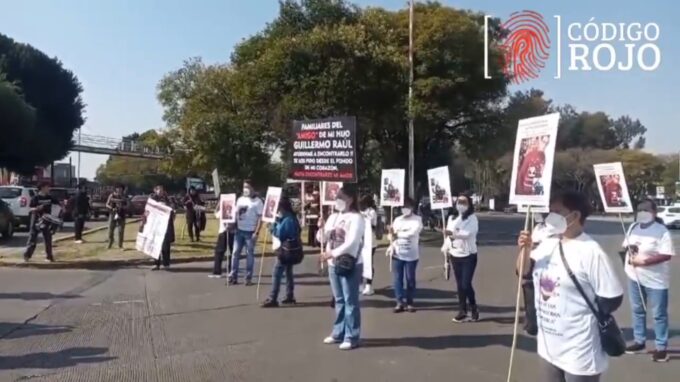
[
  {"x": 401, "y": 268},
  {"x": 277, "y": 276},
  {"x": 243, "y": 239},
  {"x": 347, "y": 325},
  {"x": 657, "y": 303}
]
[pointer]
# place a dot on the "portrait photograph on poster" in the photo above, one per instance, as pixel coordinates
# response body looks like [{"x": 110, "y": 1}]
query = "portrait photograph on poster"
[
  {"x": 329, "y": 191},
  {"x": 227, "y": 208},
  {"x": 533, "y": 160},
  {"x": 439, "y": 184},
  {"x": 392, "y": 188},
  {"x": 611, "y": 182},
  {"x": 271, "y": 204}
]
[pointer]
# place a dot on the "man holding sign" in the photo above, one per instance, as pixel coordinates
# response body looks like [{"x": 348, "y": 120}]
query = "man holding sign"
[{"x": 248, "y": 214}]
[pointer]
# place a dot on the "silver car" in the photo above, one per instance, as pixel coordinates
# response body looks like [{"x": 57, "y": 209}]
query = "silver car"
[{"x": 18, "y": 198}]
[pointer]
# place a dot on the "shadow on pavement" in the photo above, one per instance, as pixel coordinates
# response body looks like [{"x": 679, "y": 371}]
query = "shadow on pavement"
[
  {"x": 18, "y": 330},
  {"x": 452, "y": 342},
  {"x": 34, "y": 296},
  {"x": 55, "y": 360}
]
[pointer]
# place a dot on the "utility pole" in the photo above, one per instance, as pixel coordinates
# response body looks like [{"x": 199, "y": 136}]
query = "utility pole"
[
  {"x": 79, "y": 130},
  {"x": 411, "y": 135}
]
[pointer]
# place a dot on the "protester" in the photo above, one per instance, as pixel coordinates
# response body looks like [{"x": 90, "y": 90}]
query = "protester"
[
  {"x": 161, "y": 196},
  {"x": 40, "y": 206},
  {"x": 405, "y": 233},
  {"x": 343, "y": 235},
  {"x": 539, "y": 233},
  {"x": 569, "y": 341},
  {"x": 461, "y": 233},
  {"x": 81, "y": 203},
  {"x": 286, "y": 231},
  {"x": 193, "y": 215},
  {"x": 117, "y": 206},
  {"x": 225, "y": 242},
  {"x": 248, "y": 221},
  {"x": 368, "y": 210},
  {"x": 650, "y": 249}
]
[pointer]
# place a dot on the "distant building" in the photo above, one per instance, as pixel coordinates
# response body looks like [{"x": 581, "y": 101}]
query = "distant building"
[{"x": 64, "y": 174}]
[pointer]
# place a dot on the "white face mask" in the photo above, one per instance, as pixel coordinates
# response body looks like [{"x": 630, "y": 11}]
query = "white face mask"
[
  {"x": 556, "y": 224},
  {"x": 406, "y": 211},
  {"x": 645, "y": 217},
  {"x": 461, "y": 208},
  {"x": 246, "y": 191},
  {"x": 340, "y": 205}
]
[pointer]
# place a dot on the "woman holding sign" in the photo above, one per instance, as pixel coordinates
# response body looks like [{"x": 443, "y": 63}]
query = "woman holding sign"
[
  {"x": 572, "y": 275},
  {"x": 343, "y": 235},
  {"x": 650, "y": 249},
  {"x": 461, "y": 234}
]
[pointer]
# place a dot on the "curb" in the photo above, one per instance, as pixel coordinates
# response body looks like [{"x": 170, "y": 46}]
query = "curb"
[{"x": 90, "y": 231}]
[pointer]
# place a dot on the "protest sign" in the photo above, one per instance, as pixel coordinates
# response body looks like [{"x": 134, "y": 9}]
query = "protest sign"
[
  {"x": 325, "y": 150},
  {"x": 227, "y": 208},
  {"x": 152, "y": 231},
  {"x": 271, "y": 204},
  {"x": 533, "y": 160},
  {"x": 534, "y": 209},
  {"x": 440, "y": 188},
  {"x": 329, "y": 192},
  {"x": 392, "y": 188},
  {"x": 611, "y": 182},
  {"x": 216, "y": 182}
]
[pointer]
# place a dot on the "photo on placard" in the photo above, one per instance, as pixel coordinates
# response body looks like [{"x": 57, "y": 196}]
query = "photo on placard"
[
  {"x": 227, "y": 208},
  {"x": 439, "y": 185},
  {"x": 392, "y": 188},
  {"x": 611, "y": 183},
  {"x": 329, "y": 192},
  {"x": 533, "y": 160},
  {"x": 271, "y": 204}
]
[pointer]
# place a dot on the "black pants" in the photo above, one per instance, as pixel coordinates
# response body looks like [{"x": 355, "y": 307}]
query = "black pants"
[
  {"x": 116, "y": 225},
  {"x": 552, "y": 373},
  {"x": 530, "y": 319},
  {"x": 225, "y": 241},
  {"x": 464, "y": 271},
  {"x": 311, "y": 233},
  {"x": 165, "y": 254},
  {"x": 193, "y": 226},
  {"x": 79, "y": 224},
  {"x": 370, "y": 281},
  {"x": 46, "y": 231}
]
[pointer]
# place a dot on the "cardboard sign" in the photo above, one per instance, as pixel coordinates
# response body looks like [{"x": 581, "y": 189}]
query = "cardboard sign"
[
  {"x": 439, "y": 185},
  {"x": 329, "y": 192},
  {"x": 271, "y": 204},
  {"x": 151, "y": 234},
  {"x": 392, "y": 188},
  {"x": 227, "y": 209},
  {"x": 611, "y": 182},
  {"x": 533, "y": 160}
]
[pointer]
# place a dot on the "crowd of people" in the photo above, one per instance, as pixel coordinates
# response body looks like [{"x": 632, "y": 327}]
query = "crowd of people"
[{"x": 569, "y": 283}]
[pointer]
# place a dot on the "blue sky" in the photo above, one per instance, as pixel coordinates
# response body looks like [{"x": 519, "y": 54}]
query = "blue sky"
[{"x": 119, "y": 49}]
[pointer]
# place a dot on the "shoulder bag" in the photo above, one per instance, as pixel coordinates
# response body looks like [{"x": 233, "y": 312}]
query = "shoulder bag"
[
  {"x": 610, "y": 335},
  {"x": 291, "y": 252}
]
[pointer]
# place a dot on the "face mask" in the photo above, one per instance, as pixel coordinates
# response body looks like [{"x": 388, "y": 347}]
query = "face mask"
[
  {"x": 556, "y": 224},
  {"x": 340, "y": 205},
  {"x": 406, "y": 211},
  {"x": 461, "y": 208},
  {"x": 645, "y": 217},
  {"x": 246, "y": 192}
]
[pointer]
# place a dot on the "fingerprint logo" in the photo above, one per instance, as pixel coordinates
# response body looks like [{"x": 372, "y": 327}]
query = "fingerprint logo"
[{"x": 527, "y": 47}]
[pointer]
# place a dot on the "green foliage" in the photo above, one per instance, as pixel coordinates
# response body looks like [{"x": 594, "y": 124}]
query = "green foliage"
[
  {"x": 52, "y": 92},
  {"x": 18, "y": 122}
]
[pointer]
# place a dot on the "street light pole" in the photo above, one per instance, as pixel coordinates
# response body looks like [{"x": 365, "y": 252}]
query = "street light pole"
[
  {"x": 411, "y": 137},
  {"x": 79, "y": 130}
]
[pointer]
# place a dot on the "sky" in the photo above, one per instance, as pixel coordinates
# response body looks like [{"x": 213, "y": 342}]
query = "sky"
[{"x": 120, "y": 49}]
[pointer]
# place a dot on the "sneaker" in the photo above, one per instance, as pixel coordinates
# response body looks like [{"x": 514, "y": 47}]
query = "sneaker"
[
  {"x": 49, "y": 259},
  {"x": 330, "y": 340},
  {"x": 368, "y": 290},
  {"x": 635, "y": 348},
  {"x": 155, "y": 268},
  {"x": 399, "y": 308},
  {"x": 212, "y": 276},
  {"x": 248, "y": 283},
  {"x": 232, "y": 282},
  {"x": 79, "y": 242},
  {"x": 26, "y": 259},
  {"x": 411, "y": 309},
  {"x": 660, "y": 356},
  {"x": 270, "y": 303},
  {"x": 288, "y": 301},
  {"x": 474, "y": 316},
  {"x": 346, "y": 346},
  {"x": 461, "y": 317}
]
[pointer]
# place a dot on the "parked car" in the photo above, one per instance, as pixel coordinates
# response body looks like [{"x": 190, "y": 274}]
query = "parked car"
[
  {"x": 98, "y": 205},
  {"x": 7, "y": 221},
  {"x": 18, "y": 198},
  {"x": 670, "y": 216},
  {"x": 137, "y": 204}
]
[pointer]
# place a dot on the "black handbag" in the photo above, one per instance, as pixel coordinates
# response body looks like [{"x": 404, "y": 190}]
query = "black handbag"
[
  {"x": 290, "y": 252},
  {"x": 345, "y": 264},
  {"x": 610, "y": 334}
]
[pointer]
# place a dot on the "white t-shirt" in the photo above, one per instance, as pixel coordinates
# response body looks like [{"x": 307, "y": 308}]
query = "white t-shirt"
[
  {"x": 568, "y": 335},
  {"x": 654, "y": 239},
  {"x": 407, "y": 237},
  {"x": 465, "y": 235},
  {"x": 249, "y": 211},
  {"x": 343, "y": 233},
  {"x": 371, "y": 215}
]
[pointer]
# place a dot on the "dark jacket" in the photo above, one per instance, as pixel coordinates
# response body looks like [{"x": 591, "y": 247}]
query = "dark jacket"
[{"x": 82, "y": 203}]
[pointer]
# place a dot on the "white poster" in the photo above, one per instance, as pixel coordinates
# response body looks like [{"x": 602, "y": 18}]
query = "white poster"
[
  {"x": 611, "y": 182},
  {"x": 660, "y": 192},
  {"x": 226, "y": 209},
  {"x": 535, "y": 209},
  {"x": 216, "y": 182},
  {"x": 271, "y": 204},
  {"x": 329, "y": 191},
  {"x": 367, "y": 250},
  {"x": 392, "y": 188},
  {"x": 152, "y": 231},
  {"x": 440, "y": 188},
  {"x": 533, "y": 160}
]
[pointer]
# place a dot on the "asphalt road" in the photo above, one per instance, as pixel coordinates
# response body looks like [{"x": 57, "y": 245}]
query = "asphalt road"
[
  {"x": 18, "y": 241},
  {"x": 179, "y": 325}
]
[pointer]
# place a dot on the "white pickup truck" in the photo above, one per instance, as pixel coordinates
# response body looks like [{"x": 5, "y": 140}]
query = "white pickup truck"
[{"x": 18, "y": 198}]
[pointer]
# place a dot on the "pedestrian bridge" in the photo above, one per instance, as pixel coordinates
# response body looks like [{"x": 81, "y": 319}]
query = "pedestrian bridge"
[{"x": 96, "y": 144}]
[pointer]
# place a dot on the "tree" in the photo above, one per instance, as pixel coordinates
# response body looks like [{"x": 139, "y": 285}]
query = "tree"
[
  {"x": 18, "y": 121},
  {"x": 54, "y": 94},
  {"x": 643, "y": 170},
  {"x": 626, "y": 130}
]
